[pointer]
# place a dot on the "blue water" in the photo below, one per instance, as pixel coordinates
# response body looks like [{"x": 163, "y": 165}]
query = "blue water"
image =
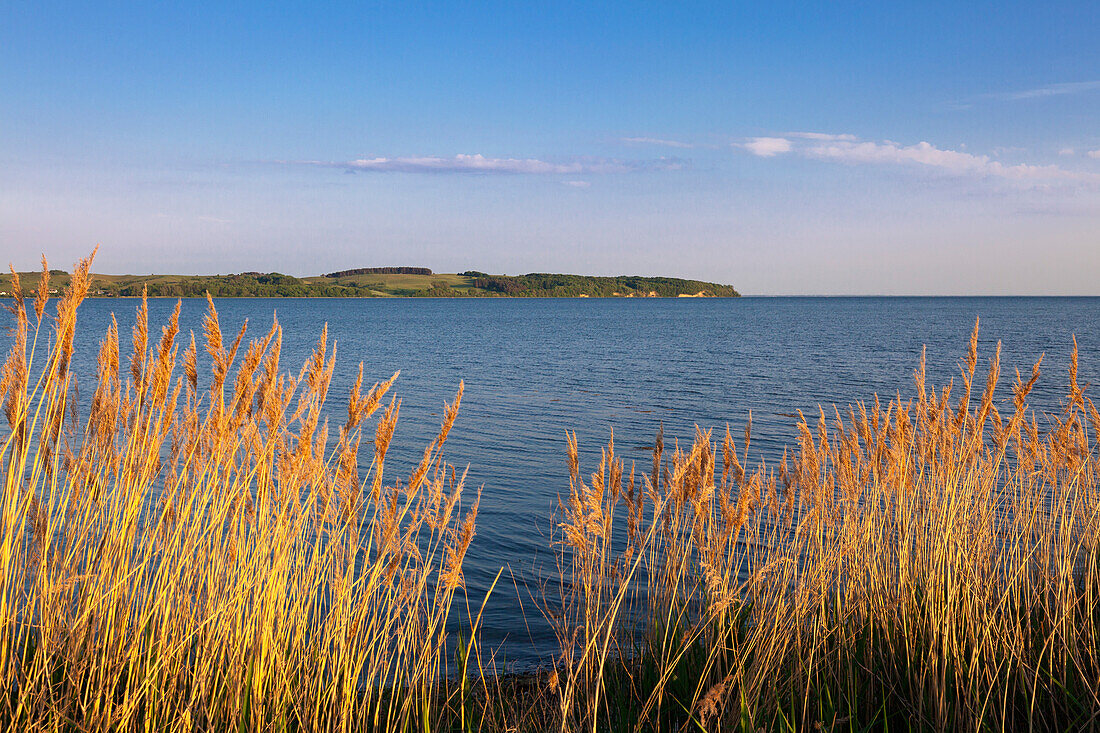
[{"x": 536, "y": 368}]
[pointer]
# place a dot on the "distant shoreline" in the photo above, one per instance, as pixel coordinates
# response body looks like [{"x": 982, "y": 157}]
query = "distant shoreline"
[
  {"x": 443, "y": 297},
  {"x": 379, "y": 283}
]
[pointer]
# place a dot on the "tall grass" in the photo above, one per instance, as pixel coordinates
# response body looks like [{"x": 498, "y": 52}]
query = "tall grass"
[
  {"x": 186, "y": 559},
  {"x": 931, "y": 564},
  {"x": 215, "y": 558}
]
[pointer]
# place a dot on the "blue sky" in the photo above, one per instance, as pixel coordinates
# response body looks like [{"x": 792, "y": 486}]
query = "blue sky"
[{"x": 783, "y": 148}]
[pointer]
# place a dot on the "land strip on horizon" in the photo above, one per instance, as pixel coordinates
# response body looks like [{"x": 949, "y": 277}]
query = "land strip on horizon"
[{"x": 379, "y": 283}]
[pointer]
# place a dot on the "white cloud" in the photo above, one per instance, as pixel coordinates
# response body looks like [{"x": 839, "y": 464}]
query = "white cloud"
[
  {"x": 1051, "y": 90},
  {"x": 1094, "y": 154},
  {"x": 850, "y": 150},
  {"x": 955, "y": 162},
  {"x": 577, "y": 184},
  {"x": 479, "y": 164},
  {"x": 820, "y": 136},
  {"x": 890, "y": 152},
  {"x": 766, "y": 147},
  {"x": 656, "y": 141},
  {"x": 1066, "y": 151}
]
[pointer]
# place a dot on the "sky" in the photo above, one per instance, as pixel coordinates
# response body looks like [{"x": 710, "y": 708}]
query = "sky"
[{"x": 783, "y": 148}]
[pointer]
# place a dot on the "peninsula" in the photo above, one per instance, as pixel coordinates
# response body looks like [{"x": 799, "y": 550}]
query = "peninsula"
[{"x": 382, "y": 282}]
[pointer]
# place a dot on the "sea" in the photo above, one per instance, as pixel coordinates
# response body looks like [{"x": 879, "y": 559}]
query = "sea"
[{"x": 536, "y": 370}]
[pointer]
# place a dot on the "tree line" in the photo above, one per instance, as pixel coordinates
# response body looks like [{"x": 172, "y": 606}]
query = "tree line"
[{"x": 381, "y": 271}]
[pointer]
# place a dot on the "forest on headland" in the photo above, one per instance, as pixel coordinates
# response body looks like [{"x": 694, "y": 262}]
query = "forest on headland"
[
  {"x": 385, "y": 282},
  {"x": 376, "y": 282}
]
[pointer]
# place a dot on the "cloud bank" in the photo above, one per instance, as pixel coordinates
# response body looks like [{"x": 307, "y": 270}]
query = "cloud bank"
[
  {"x": 480, "y": 164},
  {"x": 822, "y": 136},
  {"x": 849, "y": 149},
  {"x": 766, "y": 147}
]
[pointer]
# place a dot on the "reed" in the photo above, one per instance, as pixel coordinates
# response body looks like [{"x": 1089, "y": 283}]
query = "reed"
[
  {"x": 215, "y": 557},
  {"x": 930, "y": 564},
  {"x": 203, "y": 551}
]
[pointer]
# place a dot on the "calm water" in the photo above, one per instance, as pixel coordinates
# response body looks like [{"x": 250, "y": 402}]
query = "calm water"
[{"x": 536, "y": 368}]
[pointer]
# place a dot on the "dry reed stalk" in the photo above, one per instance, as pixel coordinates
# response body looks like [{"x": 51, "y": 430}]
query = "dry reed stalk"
[
  {"x": 189, "y": 566},
  {"x": 931, "y": 564},
  {"x": 214, "y": 561}
]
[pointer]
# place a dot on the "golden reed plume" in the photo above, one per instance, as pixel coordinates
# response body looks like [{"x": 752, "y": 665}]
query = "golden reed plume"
[
  {"x": 933, "y": 564},
  {"x": 202, "y": 552},
  {"x": 186, "y": 562}
]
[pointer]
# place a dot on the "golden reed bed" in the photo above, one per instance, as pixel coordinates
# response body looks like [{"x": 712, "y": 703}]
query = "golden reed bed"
[{"x": 223, "y": 559}]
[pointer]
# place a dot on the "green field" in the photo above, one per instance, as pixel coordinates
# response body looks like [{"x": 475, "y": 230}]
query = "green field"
[{"x": 394, "y": 285}]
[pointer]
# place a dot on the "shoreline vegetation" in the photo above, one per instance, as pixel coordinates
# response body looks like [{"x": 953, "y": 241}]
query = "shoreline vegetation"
[
  {"x": 382, "y": 282},
  {"x": 201, "y": 551}
]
